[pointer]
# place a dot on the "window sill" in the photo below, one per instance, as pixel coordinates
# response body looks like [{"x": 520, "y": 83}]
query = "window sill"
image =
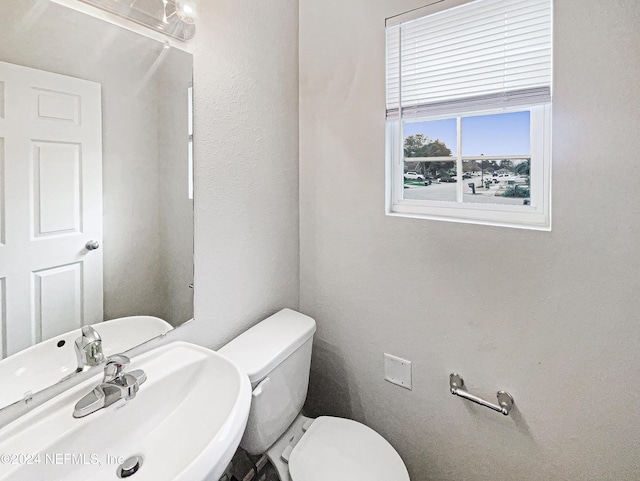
[{"x": 528, "y": 221}]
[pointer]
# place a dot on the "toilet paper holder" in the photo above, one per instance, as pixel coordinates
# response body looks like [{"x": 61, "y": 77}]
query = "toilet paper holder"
[{"x": 457, "y": 387}]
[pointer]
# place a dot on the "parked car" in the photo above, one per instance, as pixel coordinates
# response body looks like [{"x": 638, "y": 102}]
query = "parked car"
[
  {"x": 466, "y": 176},
  {"x": 413, "y": 176},
  {"x": 505, "y": 177}
]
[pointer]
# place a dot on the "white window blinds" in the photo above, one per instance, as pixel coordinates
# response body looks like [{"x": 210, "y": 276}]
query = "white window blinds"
[{"x": 480, "y": 55}]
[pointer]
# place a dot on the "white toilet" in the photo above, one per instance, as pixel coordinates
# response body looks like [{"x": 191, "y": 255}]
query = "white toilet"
[{"x": 276, "y": 355}]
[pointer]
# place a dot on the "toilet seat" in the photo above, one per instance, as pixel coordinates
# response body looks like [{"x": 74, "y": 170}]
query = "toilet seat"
[{"x": 336, "y": 449}]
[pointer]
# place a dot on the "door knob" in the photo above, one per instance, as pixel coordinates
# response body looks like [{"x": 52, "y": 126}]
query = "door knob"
[{"x": 92, "y": 245}]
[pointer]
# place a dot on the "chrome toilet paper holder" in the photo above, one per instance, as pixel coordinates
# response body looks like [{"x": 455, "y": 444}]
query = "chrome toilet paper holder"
[{"x": 457, "y": 387}]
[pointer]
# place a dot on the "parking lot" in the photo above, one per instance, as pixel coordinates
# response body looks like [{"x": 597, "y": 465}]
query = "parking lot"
[{"x": 447, "y": 191}]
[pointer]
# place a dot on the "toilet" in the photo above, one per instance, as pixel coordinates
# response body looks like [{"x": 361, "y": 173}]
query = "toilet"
[{"x": 276, "y": 355}]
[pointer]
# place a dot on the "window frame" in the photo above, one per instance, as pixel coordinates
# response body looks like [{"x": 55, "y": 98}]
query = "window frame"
[
  {"x": 536, "y": 216},
  {"x": 534, "y": 96}
]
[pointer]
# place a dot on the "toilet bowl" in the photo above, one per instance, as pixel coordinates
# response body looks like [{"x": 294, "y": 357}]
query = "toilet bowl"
[{"x": 276, "y": 355}]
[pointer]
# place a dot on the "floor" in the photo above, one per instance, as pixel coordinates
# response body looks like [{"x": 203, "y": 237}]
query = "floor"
[{"x": 244, "y": 467}]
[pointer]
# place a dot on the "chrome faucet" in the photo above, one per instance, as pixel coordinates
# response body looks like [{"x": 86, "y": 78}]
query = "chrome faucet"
[
  {"x": 88, "y": 349},
  {"x": 116, "y": 385}
]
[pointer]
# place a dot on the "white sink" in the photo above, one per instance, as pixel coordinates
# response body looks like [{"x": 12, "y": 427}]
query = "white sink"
[
  {"x": 46, "y": 363},
  {"x": 185, "y": 422}
]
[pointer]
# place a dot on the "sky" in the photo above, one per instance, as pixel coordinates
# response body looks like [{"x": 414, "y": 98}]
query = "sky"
[{"x": 498, "y": 134}]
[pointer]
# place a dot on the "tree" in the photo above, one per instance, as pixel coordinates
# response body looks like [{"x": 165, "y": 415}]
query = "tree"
[
  {"x": 419, "y": 145},
  {"x": 471, "y": 166},
  {"x": 436, "y": 148},
  {"x": 506, "y": 164},
  {"x": 523, "y": 168},
  {"x": 414, "y": 144},
  {"x": 490, "y": 166}
]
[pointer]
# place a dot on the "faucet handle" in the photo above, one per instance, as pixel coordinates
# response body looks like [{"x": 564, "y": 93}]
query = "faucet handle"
[
  {"x": 88, "y": 348},
  {"x": 89, "y": 334},
  {"x": 114, "y": 369}
]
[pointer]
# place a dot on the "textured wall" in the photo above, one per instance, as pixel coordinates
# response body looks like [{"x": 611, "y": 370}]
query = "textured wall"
[
  {"x": 246, "y": 149},
  {"x": 550, "y": 317}
]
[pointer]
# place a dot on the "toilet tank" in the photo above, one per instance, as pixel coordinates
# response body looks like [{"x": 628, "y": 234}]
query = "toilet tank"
[{"x": 276, "y": 355}]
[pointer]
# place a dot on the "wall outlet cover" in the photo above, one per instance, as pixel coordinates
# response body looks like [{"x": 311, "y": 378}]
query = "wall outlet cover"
[{"x": 397, "y": 371}]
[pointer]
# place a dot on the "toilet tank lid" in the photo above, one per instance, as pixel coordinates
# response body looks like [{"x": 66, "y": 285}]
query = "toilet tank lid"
[{"x": 260, "y": 349}]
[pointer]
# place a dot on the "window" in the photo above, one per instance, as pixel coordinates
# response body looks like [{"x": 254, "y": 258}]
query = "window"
[{"x": 469, "y": 112}]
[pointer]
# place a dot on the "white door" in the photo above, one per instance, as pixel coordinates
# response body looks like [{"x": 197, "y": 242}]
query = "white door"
[{"x": 50, "y": 205}]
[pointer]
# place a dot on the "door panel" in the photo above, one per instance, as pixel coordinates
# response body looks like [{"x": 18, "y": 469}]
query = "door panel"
[
  {"x": 56, "y": 182},
  {"x": 57, "y": 298},
  {"x": 57, "y": 106}
]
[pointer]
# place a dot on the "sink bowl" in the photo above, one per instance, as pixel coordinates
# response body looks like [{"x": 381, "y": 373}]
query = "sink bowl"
[
  {"x": 27, "y": 372},
  {"x": 185, "y": 423}
]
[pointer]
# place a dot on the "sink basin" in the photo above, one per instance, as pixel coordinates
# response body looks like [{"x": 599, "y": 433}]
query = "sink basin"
[
  {"x": 185, "y": 423},
  {"x": 27, "y": 372}
]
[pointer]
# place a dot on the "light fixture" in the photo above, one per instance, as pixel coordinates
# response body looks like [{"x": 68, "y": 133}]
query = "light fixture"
[
  {"x": 175, "y": 18},
  {"x": 186, "y": 11}
]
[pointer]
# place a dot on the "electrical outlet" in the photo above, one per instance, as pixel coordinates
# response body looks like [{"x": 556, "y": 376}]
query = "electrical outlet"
[{"x": 397, "y": 371}]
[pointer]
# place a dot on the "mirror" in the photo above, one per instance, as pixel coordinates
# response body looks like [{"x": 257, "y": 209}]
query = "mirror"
[{"x": 96, "y": 193}]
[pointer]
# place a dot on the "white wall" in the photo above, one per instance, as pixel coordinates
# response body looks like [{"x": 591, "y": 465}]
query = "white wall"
[
  {"x": 550, "y": 317},
  {"x": 246, "y": 169}
]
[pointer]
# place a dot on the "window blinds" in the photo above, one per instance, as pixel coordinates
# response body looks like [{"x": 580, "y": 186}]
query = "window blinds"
[{"x": 480, "y": 55}]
